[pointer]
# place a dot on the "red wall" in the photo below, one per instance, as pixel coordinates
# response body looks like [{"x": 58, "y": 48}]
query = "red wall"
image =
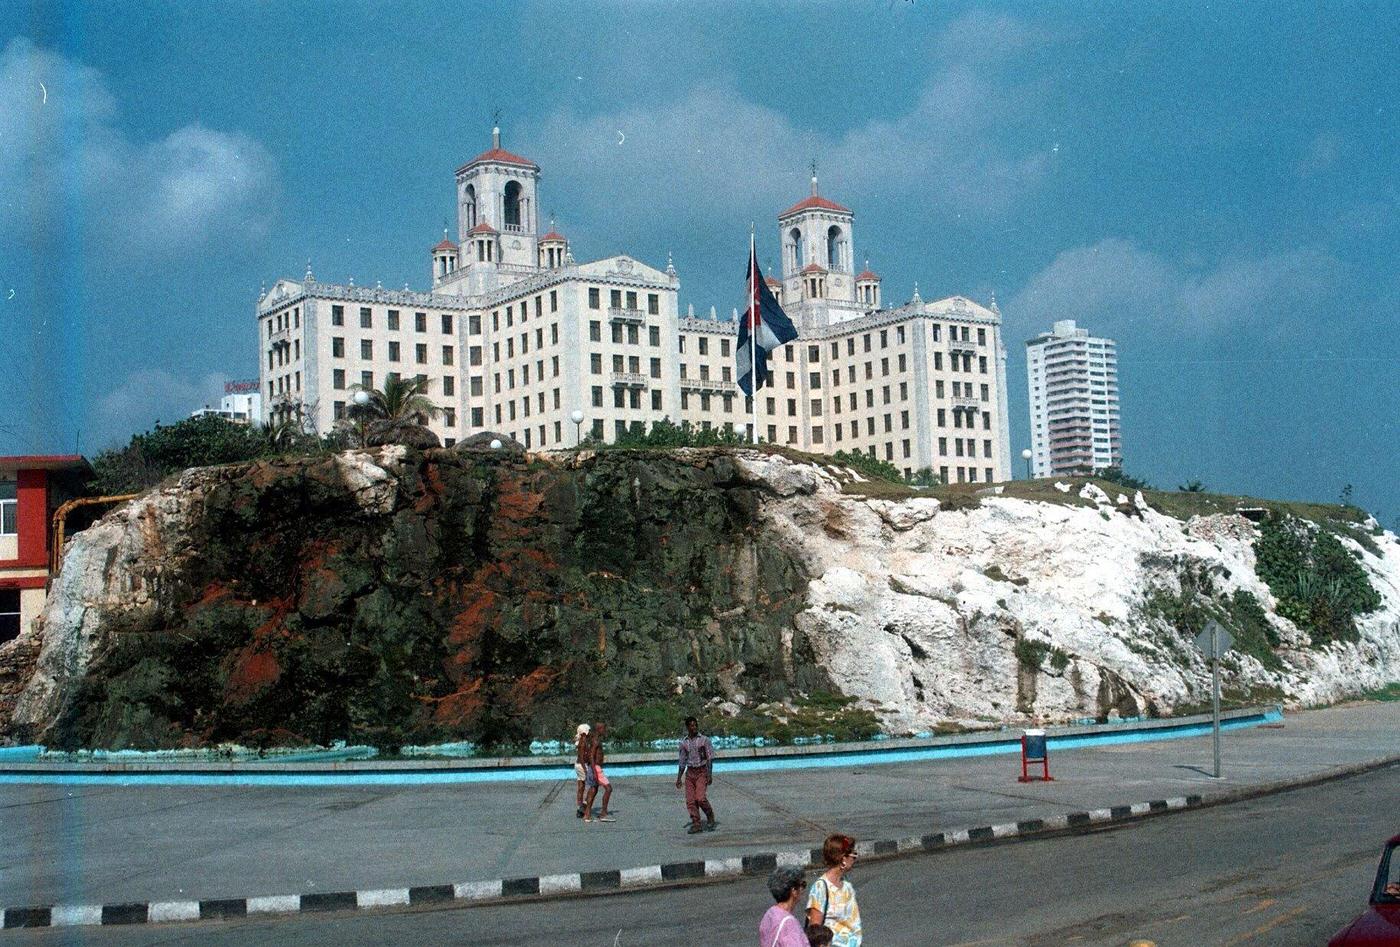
[{"x": 33, "y": 493}]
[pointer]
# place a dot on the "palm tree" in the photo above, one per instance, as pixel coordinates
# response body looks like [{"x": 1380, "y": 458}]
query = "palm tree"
[
  {"x": 1192, "y": 486},
  {"x": 401, "y": 399}
]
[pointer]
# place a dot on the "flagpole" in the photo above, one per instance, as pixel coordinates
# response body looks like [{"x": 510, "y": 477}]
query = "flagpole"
[{"x": 753, "y": 339}]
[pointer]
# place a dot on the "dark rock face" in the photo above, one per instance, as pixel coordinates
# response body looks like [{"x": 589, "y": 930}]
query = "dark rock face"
[
  {"x": 489, "y": 598},
  {"x": 385, "y": 432}
]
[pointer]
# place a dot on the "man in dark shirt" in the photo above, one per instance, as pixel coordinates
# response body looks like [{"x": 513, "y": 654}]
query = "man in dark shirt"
[
  {"x": 599, "y": 732},
  {"x": 697, "y": 772}
]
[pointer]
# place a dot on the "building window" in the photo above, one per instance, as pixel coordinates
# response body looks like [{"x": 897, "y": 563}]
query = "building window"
[
  {"x": 367, "y": 380},
  {"x": 477, "y": 419},
  {"x": 656, "y": 368},
  {"x": 338, "y": 378},
  {"x": 594, "y": 302},
  {"x": 449, "y": 417},
  {"x": 420, "y": 322},
  {"x": 595, "y": 332},
  {"x": 366, "y": 320},
  {"x": 654, "y": 335},
  {"x": 615, "y": 298},
  {"x": 595, "y": 363},
  {"x": 704, "y": 346},
  {"x": 393, "y": 351},
  {"x": 449, "y": 385},
  {"x": 337, "y": 347},
  {"x": 366, "y": 348},
  {"x": 9, "y": 510},
  {"x": 447, "y": 323},
  {"x": 447, "y": 355},
  {"x": 337, "y": 316},
  {"x": 656, "y": 399},
  {"x": 474, "y": 325},
  {"x": 653, "y": 304},
  {"x": 814, "y": 379},
  {"x": 393, "y": 320}
]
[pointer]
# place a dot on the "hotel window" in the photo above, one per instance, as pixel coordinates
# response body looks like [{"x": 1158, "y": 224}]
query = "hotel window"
[
  {"x": 724, "y": 348},
  {"x": 631, "y": 300},
  {"x": 554, "y": 303},
  {"x": 338, "y": 410},
  {"x": 476, "y": 386},
  {"x": 656, "y": 399},
  {"x": 366, "y": 319},
  {"x": 420, "y": 353},
  {"x": 904, "y": 420},
  {"x": 595, "y": 332},
  {"x": 474, "y": 355},
  {"x": 393, "y": 319},
  {"x": 814, "y": 379},
  {"x": 554, "y": 366},
  {"x": 595, "y": 363},
  {"x": 814, "y": 353},
  {"x": 906, "y": 448},
  {"x": 449, "y": 417},
  {"x": 338, "y": 378},
  {"x": 685, "y": 401},
  {"x": 704, "y": 401},
  {"x": 792, "y": 435},
  {"x": 634, "y": 364},
  {"x": 593, "y": 300},
  {"x": 617, "y": 364},
  {"x": 337, "y": 316},
  {"x": 816, "y": 435},
  {"x": 656, "y": 368},
  {"x": 724, "y": 374},
  {"x": 654, "y": 335},
  {"x": 447, "y": 355},
  {"x": 986, "y": 420},
  {"x": 942, "y": 417},
  {"x": 899, "y": 337},
  {"x": 634, "y": 398},
  {"x": 792, "y": 407},
  {"x": 366, "y": 348},
  {"x": 982, "y": 364},
  {"x": 938, "y": 361},
  {"x": 816, "y": 407},
  {"x": 474, "y": 325},
  {"x": 653, "y": 304},
  {"x": 510, "y": 316},
  {"x": 943, "y": 447},
  {"x": 420, "y": 322},
  {"x": 477, "y": 419},
  {"x": 902, "y": 363},
  {"x": 366, "y": 380},
  {"x": 393, "y": 351},
  {"x": 449, "y": 385},
  {"x": 704, "y": 346},
  {"x": 617, "y": 333},
  {"x": 447, "y": 323},
  {"x": 986, "y": 394},
  {"x": 981, "y": 336},
  {"x": 337, "y": 347},
  {"x": 680, "y": 343},
  {"x": 986, "y": 448},
  {"x": 615, "y": 298}
]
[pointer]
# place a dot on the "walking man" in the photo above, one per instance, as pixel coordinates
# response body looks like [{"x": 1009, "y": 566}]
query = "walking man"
[
  {"x": 595, "y": 768},
  {"x": 583, "y": 750},
  {"x": 697, "y": 771}
]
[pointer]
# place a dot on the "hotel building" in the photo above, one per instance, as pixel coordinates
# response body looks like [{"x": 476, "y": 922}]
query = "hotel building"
[{"x": 513, "y": 335}]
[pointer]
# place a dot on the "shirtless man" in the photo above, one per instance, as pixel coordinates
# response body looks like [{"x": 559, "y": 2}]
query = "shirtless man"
[{"x": 595, "y": 768}]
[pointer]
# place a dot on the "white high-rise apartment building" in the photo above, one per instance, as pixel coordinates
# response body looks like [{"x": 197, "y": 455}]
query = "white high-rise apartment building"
[
  {"x": 514, "y": 336},
  {"x": 1073, "y": 382}
]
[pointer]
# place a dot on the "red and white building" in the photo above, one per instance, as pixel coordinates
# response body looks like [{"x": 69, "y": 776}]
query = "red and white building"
[{"x": 31, "y": 488}]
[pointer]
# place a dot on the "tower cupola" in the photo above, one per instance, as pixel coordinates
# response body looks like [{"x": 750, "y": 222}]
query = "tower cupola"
[
  {"x": 499, "y": 188},
  {"x": 553, "y": 249},
  {"x": 444, "y": 258},
  {"x": 868, "y": 288},
  {"x": 817, "y": 231}
]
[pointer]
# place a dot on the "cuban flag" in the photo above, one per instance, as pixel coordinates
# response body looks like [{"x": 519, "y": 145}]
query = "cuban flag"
[{"x": 765, "y": 321}]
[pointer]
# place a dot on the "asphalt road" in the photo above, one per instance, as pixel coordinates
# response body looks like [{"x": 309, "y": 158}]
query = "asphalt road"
[{"x": 1285, "y": 869}]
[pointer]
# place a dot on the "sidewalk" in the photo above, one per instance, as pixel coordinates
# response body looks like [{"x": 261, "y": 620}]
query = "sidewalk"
[{"x": 109, "y": 844}]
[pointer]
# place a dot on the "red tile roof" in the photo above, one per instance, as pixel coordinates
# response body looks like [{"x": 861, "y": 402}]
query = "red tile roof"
[
  {"x": 814, "y": 202},
  {"x": 482, "y": 227},
  {"x": 866, "y": 274},
  {"x": 500, "y": 156},
  {"x": 44, "y": 462},
  {"x": 813, "y": 268},
  {"x": 553, "y": 235},
  {"x": 445, "y": 245}
]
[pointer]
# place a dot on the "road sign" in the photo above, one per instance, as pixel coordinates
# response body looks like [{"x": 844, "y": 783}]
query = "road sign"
[{"x": 1215, "y": 640}]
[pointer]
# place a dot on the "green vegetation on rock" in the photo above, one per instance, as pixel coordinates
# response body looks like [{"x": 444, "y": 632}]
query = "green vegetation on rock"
[
  {"x": 1319, "y": 584},
  {"x": 1196, "y": 601}
]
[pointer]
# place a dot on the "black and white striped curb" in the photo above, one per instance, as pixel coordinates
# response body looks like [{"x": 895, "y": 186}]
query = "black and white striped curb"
[{"x": 570, "y": 883}]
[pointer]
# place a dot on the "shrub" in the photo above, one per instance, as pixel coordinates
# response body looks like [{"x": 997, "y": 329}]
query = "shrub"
[
  {"x": 868, "y": 466},
  {"x": 1319, "y": 584}
]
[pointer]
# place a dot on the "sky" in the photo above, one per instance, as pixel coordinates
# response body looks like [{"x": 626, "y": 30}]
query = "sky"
[{"x": 1215, "y": 186}]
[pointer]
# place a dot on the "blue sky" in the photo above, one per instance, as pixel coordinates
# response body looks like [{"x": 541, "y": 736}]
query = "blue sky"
[{"x": 1214, "y": 186}]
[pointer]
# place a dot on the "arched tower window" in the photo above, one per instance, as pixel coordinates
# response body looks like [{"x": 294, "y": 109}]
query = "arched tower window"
[
  {"x": 471, "y": 206},
  {"x": 796, "y": 236},
  {"x": 833, "y": 248},
  {"x": 513, "y": 204}
]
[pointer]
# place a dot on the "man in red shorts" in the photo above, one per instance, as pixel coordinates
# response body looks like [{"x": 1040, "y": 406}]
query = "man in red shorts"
[
  {"x": 595, "y": 768},
  {"x": 697, "y": 772}
]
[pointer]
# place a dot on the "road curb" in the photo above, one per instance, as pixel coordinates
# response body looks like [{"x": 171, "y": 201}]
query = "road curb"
[{"x": 507, "y": 890}]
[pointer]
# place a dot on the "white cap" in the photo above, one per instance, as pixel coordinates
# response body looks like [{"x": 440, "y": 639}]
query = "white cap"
[{"x": 582, "y": 729}]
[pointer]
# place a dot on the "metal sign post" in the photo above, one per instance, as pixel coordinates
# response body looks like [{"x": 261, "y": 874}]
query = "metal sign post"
[{"x": 1214, "y": 641}]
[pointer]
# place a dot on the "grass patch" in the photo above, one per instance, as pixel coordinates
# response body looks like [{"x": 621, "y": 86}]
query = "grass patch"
[
  {"x": 818, "y": 714},
  {"x": 1388, "y": 693}
]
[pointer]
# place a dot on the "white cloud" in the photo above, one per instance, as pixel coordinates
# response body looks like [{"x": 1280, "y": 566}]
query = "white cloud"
[
  {"x": 71, "y": 172},
  {"x": 154, "y": 394},
  {"x": 1116, "y": 287},
  {"x": 713, "y": 151}
]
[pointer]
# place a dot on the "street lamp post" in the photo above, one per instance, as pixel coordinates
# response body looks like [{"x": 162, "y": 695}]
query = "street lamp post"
[
  {"x": 577, "y": 418},
  {"x": 1026, "y": 456}
]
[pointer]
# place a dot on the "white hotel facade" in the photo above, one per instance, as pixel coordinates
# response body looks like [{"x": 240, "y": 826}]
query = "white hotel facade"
[
  {"x": 514, "y": 335},
  {"x": 1073, "y": 382}
]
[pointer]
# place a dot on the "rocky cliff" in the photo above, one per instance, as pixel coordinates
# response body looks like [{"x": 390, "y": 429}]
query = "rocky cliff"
[{"x": 403, "y": 596}]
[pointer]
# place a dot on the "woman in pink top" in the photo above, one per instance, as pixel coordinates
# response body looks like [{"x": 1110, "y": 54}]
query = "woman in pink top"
[{"x": 779, "y": 927}]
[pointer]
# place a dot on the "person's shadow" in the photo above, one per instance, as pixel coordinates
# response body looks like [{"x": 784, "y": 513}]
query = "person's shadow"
[{"x": 1196, "y": 769}]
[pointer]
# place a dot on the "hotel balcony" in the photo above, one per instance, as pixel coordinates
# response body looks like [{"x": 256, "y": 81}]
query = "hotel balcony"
[
  {"x": 629, "y": 380},
  {"x": 631, "y": 317},
  {"x": 958, "y": 345},
  {"x": 708, "y": 384},
  {"x": 962, "y": 401}
]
